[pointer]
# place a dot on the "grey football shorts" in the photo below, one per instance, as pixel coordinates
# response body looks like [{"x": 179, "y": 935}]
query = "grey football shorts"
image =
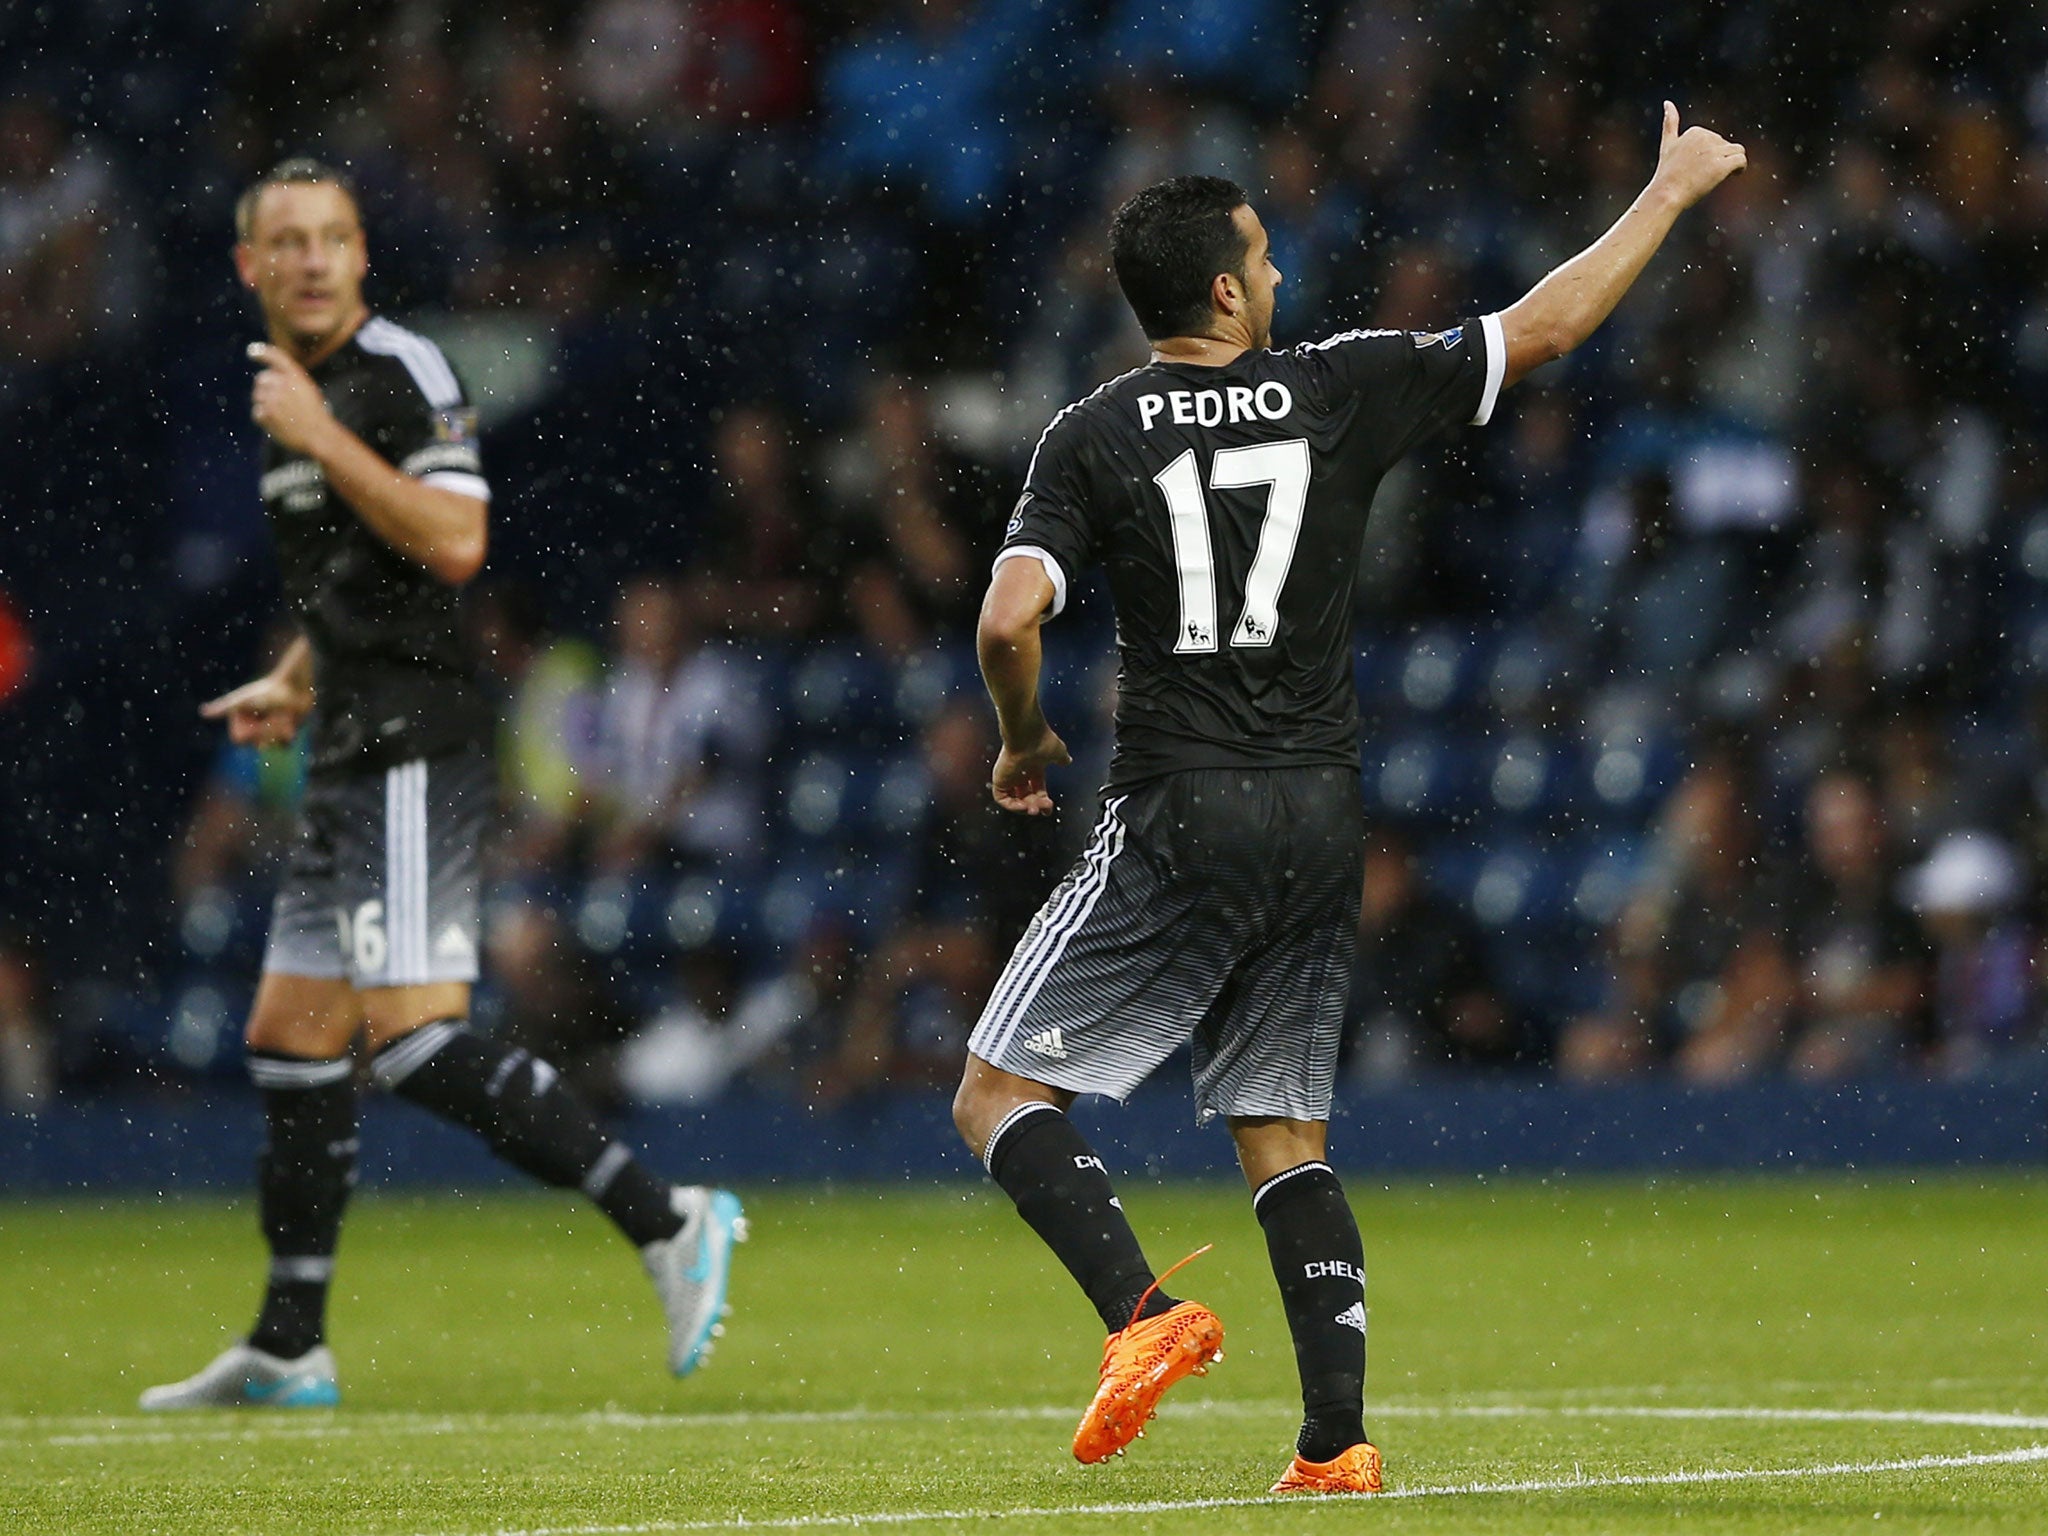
[
  {"x": 380, "y": 886},
  {"x": 1212, "y": 907}
]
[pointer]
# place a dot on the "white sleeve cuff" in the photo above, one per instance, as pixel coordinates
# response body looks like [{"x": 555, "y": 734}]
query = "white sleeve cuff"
[
  {"x": 1496, "y": 343},
  {"x": 460, "y": 483},
  {"x": 1053, "y": 573}
]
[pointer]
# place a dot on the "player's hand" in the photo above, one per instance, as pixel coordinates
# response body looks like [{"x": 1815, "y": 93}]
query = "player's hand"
[
  {"x": 265, "y": 713},
  {"x": 285, "y": 402},
  {"x": 1691, "y": 164},
  {"x": 1018, "y": 782}
]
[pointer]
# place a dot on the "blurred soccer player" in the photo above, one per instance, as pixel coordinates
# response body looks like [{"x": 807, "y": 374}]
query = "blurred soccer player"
[
  {"x": 377, "y": 501},
  {"x": 1224, "y": 487}
]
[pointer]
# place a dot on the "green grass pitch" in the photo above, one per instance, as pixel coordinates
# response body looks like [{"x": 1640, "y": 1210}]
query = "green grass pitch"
[{"x": 1811, "y": 1355}]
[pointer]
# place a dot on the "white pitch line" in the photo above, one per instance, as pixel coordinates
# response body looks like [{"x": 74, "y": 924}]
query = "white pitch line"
[
  {"x": 2026, "y": 1454},
  {"x": 2020, "y": 1457},
  {"x": 1928, "y": 1417},
  {"x": 226, "y": 1424},
  {"x": 156, "y": 1430}
]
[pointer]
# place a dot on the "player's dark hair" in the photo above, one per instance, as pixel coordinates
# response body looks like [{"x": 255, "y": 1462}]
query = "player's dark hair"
[
  {"x": 1168, "y": 243},
  {"x": 297, "y": 171}
]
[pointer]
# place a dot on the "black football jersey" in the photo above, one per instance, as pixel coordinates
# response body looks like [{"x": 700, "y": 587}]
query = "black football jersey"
[
  {"x": 391, "y": 679},
  {"x": 1228, "y": 507}
]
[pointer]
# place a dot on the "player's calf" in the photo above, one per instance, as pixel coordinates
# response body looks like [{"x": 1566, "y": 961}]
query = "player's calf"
[
  {"x": 1319, "y": 1262},
  {"x": 520, "y": 1106},
  {"x": 1062, "y": 1191},
  {"x": 304, "y": 1175}
]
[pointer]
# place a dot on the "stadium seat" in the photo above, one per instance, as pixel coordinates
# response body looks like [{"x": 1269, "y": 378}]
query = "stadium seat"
[
  {"x": 837, "y": 692},
  {"x": 902, "y": 790},
  {"x": 205, "y": 1026},
  {"x": 625, "y": 917},
  {"x": 1408, "y": 777},
  {"x": 1603, "y": 876},
  {"x": 1517, "y": 886},
  {"x": 225, "y": 926},
  {"x": 1528, "y": 780},
  {"x": 925, "y": 683},
  {"x": 706, "y": 907},
  {"x": 1435, "y": 671},
  {"x": 1525, "y": 668},
  {"x": 814, "y": 795}
]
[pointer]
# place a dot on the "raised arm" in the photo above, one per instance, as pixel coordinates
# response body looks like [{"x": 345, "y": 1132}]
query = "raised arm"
[
  {"x": 1020, "y": 596},
  {"x": 442, "y": 530},
  {"x": 1568, "y": 305}
]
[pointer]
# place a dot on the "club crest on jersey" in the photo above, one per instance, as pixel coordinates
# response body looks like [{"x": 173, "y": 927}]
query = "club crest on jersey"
[
  {"x": 455, "y": 426},
  {"x": 1444, "y": 339},
  {"x": 300, "y": 486}
]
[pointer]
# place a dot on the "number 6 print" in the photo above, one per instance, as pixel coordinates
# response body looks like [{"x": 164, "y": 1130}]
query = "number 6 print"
[
  {"x": 364, "y": 936},
  {"x": 1284, "y": 468}
]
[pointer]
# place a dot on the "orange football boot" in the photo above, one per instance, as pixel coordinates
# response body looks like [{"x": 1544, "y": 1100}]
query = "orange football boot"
[
  {"x": 1356, "y": 1471},
  {"x": 1139, "y": 1363}
]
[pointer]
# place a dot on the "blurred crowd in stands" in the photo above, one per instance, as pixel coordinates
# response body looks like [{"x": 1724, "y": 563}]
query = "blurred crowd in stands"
[{"x": 1706, "y": 690}]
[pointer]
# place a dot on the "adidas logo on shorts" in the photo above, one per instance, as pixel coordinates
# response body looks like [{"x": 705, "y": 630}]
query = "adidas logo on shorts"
[
  {"x": 1353, "y": 1316},
  {"x": 1049, "y": 1043}
]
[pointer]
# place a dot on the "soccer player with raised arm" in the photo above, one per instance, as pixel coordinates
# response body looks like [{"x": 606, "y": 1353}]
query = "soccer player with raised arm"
[
  {"x": 377, "y": 500},
  {"x": 1224, "y": 488}
]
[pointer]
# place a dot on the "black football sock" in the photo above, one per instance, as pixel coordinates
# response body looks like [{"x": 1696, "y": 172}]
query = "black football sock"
[
  {"x": 304, "y": 1174},
  {"x": 1312, "y": 1238},
  {"x": 519, "y": 1105},
  {"x": 1061, "y": 1188}
]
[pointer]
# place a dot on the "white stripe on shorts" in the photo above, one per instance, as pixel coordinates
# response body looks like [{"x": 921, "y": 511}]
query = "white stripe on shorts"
[
  {"x": 421, "y": 958},
  {"x": 405, "y": 874},
  {"x": 1035, "y": 958},
  {"x": 1015, "y": 971}
]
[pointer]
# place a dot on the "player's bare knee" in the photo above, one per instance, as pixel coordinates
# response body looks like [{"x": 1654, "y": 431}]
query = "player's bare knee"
[
  {"x": 969, "y": 1105},
  {"x": 293, "y": 1032},
  {"x": 258, "y": 1034}
]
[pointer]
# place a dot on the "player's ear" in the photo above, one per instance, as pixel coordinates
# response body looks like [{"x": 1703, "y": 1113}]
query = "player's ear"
[
  {"x": 1225, "y": 293},
  {"x": 245, "y": 265}
]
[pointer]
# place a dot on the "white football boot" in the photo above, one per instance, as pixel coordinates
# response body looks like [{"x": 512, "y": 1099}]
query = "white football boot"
[
  {"x": 245, "y": 1377},
  {"x": 690, "y": 1270}
]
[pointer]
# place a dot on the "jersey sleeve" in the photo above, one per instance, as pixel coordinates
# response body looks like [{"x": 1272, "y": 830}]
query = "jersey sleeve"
[
  {"x": 1413, "y": 384},
  {"x": 430, "y": 428},
  {"x": 1050, "y": 522}
]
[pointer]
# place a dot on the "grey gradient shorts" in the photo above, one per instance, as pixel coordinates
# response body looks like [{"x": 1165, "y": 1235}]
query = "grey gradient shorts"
[
  {"x": 1214, "y": 907},
  {"x": 380, "y": 886}
]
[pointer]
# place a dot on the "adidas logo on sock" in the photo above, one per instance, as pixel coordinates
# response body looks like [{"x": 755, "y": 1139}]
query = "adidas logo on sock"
[
  {"x": 1353, "y": 1316},
  {"x": 1048, "y": 1042}
]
